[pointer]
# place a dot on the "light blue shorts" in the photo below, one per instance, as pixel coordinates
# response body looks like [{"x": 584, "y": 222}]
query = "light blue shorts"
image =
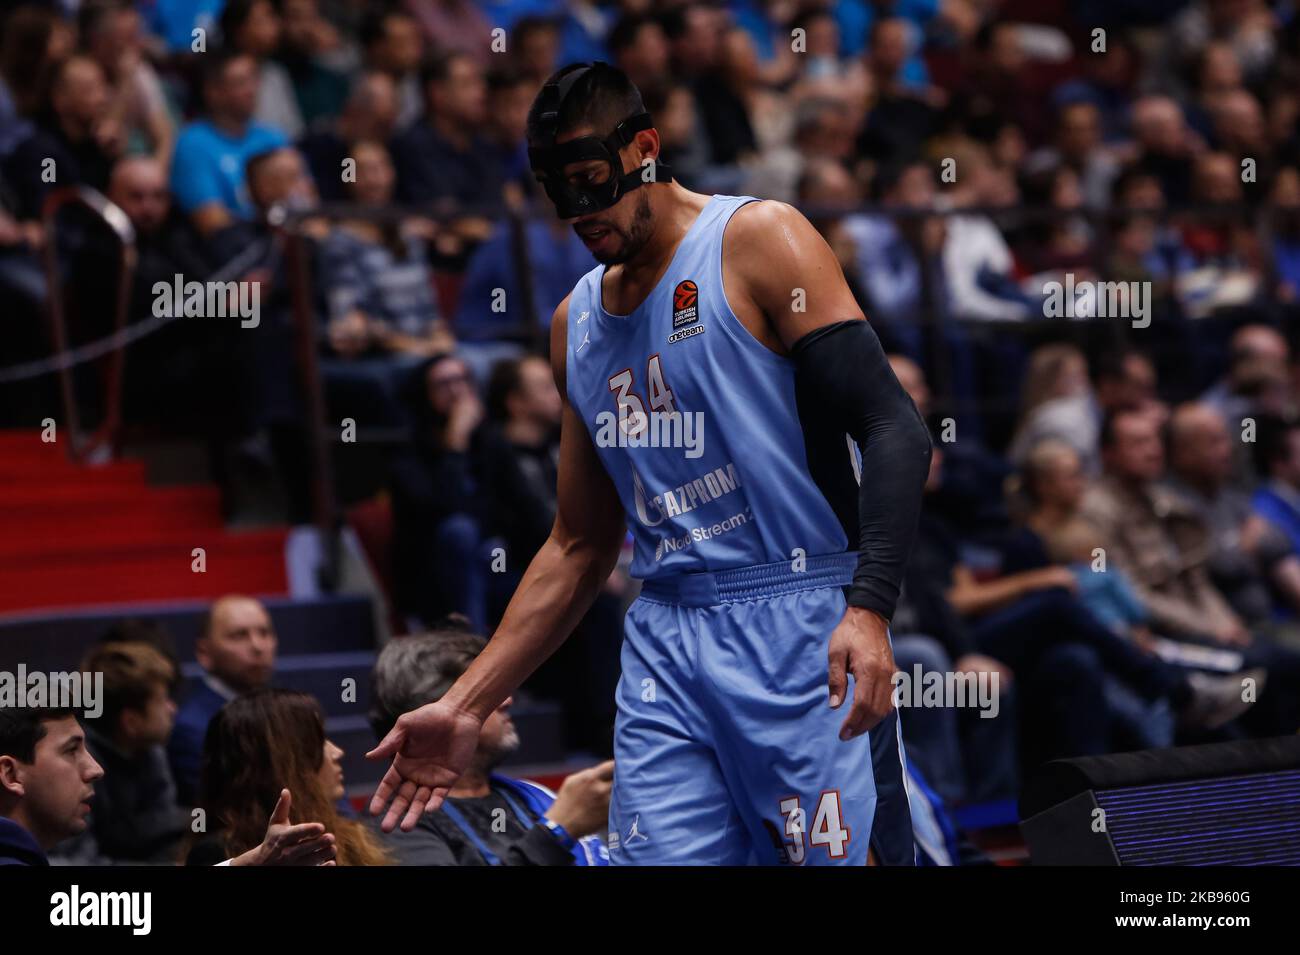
[{"x": 726, "y": 750}]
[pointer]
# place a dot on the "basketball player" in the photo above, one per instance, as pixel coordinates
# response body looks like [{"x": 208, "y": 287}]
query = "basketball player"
[{"x": 733, "y": 314}]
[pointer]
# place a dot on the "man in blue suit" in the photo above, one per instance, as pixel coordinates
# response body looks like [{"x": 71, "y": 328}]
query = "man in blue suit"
[{"x": 237, "y": 652}]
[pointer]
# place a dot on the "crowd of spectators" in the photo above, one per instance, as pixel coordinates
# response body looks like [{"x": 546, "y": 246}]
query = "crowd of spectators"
[
  {"x": 959, "y": 156},
  {"x": 244, "y": 773}
]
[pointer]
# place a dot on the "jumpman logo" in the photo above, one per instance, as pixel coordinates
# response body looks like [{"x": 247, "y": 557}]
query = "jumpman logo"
[
  {"x": 582, "y": 317},
  {"x": 586, "y": 340},
  {"x": 635, "y": 831}
]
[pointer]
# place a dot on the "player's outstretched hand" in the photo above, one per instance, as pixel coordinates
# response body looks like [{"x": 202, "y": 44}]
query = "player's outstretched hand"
[
  {"x": 860, "y": 646},
  {"x": 430, "y": 747}
]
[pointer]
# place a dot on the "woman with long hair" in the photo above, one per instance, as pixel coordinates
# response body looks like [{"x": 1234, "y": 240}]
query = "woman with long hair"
[
  {"x": 257, "y": 745},
  {"x": 1057, "y": 401}
]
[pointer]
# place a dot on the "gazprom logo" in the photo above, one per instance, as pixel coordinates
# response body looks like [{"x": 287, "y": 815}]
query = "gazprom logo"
[{"x": 638, "y": 490}]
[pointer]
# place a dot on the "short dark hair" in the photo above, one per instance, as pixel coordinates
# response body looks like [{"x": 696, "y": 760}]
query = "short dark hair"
[
  {"x": 94, "y": 14},
  {"x": 1110, "y": 422},
  {"x": 233, "y": 17},
  {"x": 1112, "y": 364},
  {"x": 216, "y": 62},
  {"x": 1272, "y": 434},
  {"x": 22, "y": 727},
  {"x": 437, "y": 67},
  {"x": 143, "y": 630},
  {"x": 625, "y": 32},
  {"x": 533, "y": 24},
  {"x": 254, "y": 165},
  {"x": 131, "y": 672},
  {"x": 374, "y": 23},
  {"x": 503, "y": 381},
  {"x": 601, "y": 98},
  {"x": 505, "y": 77}
]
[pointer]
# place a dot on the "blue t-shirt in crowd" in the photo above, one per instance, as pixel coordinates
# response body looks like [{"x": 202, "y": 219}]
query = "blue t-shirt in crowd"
[
  {"x": 209, "y": 165},
  {"x": 1110, "y": 597},
  {"x": 175, "y": 20}
]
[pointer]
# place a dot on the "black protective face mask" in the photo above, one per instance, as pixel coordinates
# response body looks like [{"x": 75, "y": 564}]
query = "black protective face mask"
[{"x": 549, "y": 159}]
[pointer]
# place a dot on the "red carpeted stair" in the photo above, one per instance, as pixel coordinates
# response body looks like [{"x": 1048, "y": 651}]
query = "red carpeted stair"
[{"x": 74, "y": 535}]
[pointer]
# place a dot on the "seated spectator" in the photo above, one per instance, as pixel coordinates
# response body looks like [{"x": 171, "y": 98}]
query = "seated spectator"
[
  {"x": 438, "y": 567},
  {"x": 535, "y": 39},
  {"x": 1065, "y": 242},
  {"x": 1284, "y": 200},
  {"x": 969, "y": 488},
  {"x": 1164, "y": 146},
  {"x": 207, "y": 174},
  {"x": 456, "y": 25},
  {"x": 317, "y": 58},
  {"x": 1010, "y": 617},
  {"x": 1109, "y": 597},
  {"x": 179, "y": 374},
  {"x": 639, "y": 47},
  {"x": 47, "y": 778},
  {"x": 252, "y": 27},
  {"x": 391, "y": 43},
  {"x": 519, "y": 455},
  {"x": 82, "y": 138},
  {"x": 443, "y": 158},
  {"x": 383, "y": 317},
  {"x": 892, "y": 253},
  {"x": 977, "y": 262},
  {"x": 258, "y": 748},
  {"x": 905, "y": 112},
  {"x": 1256, "y": 385},
  {"x": 1250, "y": 558},
  {"x": 236, "y": 649},
  {"x": 1277, "y": 500},
  {"x": 1154, "y": 536},
  {"x": 1057, "y": 401},
  {"x": 22, "y": 278},
  {"x": 48, "y": 781},
  {"x": 33, "y": 42},
  {"x": 112, "y": 34},
  {"x": 135, "y": 815},
  {"x": 724, "y": 100},
  {"x": 1078, "y": 146},
  {"x": 369, "y": 114},
  {"x": 376, "y": 276},
  {"x": 487, "y": 818},
  {"x": 491, "y": 319},
  {"x": 509, "y": 97}
]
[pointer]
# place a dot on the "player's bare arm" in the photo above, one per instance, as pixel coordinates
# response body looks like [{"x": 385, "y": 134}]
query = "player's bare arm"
[
  {"x": 784, "y": 283},
  {"x": 433, "y": 745}
]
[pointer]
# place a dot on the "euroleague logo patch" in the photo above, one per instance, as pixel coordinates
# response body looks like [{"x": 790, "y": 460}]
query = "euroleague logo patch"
[
  {"x": 684, "y": 298},
  {"x": 685, "y": 312}
]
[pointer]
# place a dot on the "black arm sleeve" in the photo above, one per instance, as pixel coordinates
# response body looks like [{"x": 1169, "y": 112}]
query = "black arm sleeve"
[{"x": 845, "y": 380}]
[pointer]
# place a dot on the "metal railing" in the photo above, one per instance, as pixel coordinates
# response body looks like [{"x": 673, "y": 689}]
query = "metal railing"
[{"x": 104, "y": 213}]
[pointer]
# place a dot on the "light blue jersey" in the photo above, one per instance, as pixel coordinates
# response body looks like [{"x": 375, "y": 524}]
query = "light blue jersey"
[{"x": 732, "y": 487}]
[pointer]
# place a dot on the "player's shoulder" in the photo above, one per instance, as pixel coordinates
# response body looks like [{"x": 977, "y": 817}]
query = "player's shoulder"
[
  {"x": 762, "y": 233},
  {"x": 765, "y": 220}
]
